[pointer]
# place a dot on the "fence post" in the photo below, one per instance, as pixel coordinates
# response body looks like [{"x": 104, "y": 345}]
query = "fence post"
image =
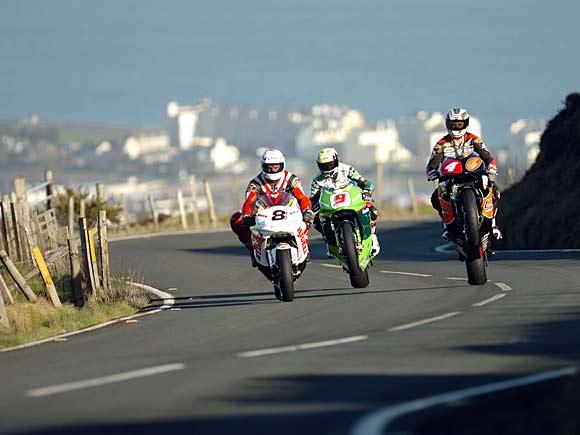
[
  {"x": 17, "y": 277},
  {"x": 193, "y": 191},
  {"x": 101, "y": 199},
  {"x": 38, "y": 230},
  {"x": 50, "y": 225},
  {"x": 182, "y": 210},
  {"x": 379, "y": 187},
  {"x": 124, "y": 213},
  {"x": 75, "y": 269},
  {"x": 8, "y": 226},
  {"x": 50, "y": 288},
  {"x": 20, "y": 187},
  {"x": 3, "y": 314},
  {"x": 4, "y": 290},
  {"x": 152, "y": 210},
  {"x": 412, "y": 196},
  {"x": 49, "y": 188},
  {"x": 93, "y": 257},
  {"x": 71, "y": 212},
  {"x": 16, "y": 227},
  {"x": 82, "y": 208},
  {"x": 210, "y": 206},
  {"x": 104, "y": 250},
  {"x": 86, "y": 255}
]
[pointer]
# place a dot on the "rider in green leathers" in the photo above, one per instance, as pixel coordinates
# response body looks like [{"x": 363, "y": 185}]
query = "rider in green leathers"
[{"x": 334, "y": 172}]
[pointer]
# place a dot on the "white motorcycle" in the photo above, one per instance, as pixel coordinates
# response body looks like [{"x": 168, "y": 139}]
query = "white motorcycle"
[{"x": 280, "y": 242}]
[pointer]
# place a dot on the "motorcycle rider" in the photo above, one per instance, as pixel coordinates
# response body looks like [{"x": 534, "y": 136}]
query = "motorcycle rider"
[
  {"x": 458, "y": 143},
  {"x": 272, "y": 179},
  {"x": 336, "y": 173}
]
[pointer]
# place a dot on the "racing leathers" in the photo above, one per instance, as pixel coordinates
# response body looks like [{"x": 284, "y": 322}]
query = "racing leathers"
[
  {"x": 258, "y": 186},
  {"x": 451, "y": 147},
  {"x": 344, "y": 173}
]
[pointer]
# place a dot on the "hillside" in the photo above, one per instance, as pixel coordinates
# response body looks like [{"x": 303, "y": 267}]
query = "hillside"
[{"x": 543, "y": 209}]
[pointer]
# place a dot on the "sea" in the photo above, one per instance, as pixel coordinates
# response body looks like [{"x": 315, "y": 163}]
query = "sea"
[{"x": 121, "y": 61}]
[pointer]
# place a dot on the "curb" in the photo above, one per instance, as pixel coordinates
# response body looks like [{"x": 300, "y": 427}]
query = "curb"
[{"x": 168, "y": 301}]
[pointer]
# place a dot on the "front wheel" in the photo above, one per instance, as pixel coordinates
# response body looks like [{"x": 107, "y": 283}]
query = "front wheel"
[
  {"x": 475, "y": 263},
  {"x": 285, "y": 289},
  {"x": 358, "y": 277}
]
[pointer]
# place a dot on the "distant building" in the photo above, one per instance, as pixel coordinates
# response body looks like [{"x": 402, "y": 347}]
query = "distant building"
[
  {"x": 151, "y": 148},
  {"x": 524, "y": 142}
]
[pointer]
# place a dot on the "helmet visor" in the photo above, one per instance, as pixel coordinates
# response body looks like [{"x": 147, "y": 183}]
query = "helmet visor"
[
  {"x": 328, "y": 166},
  {"x": 272, "y": 168},
  {"x": 457, "y": 124}
]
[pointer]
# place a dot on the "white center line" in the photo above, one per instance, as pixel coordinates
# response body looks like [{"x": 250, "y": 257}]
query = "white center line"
[
  {"x": 503, "y": 286},
  {"x": 89, "y": 383},
  {"x": 404, "y": 273},
  {"x": 274, "y": 350},
  {"x": 332, "y": 265},
  {"x": 423, "y": 322},
  {"x": 487, "y": 301}
]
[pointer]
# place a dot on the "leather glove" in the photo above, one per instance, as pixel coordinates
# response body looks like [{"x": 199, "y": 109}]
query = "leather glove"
[
  {"x": 308, "y": 216},
  {"x": 248, "y": 221},
  {"x": 432, "y": 175},
  {"x": 367, "y": 196},
  {"x": 492, "y": 168}
]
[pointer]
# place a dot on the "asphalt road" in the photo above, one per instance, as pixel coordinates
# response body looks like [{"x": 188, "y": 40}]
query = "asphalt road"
[{"x": 191, "y": 369}]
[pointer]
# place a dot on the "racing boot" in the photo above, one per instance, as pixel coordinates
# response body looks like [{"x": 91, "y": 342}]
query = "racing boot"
[
  {"x": 376, "y": 246},
  {"x": 495, "y": 230}
]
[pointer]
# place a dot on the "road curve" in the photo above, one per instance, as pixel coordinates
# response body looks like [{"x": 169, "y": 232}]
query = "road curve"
[{"x": 229, "y": 358}]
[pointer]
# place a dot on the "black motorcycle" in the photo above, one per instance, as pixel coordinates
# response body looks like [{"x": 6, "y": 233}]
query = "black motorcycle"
[{"x": 468, "y": 210}]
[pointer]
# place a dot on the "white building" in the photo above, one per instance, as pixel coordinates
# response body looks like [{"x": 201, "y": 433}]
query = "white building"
[
  {"x": 524, "y": 142},
  {"x": 152, "y": 148}
]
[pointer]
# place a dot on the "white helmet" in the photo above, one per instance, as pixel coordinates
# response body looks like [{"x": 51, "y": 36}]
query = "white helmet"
[
  {"x": 327, "y": 162},
  {"x": 273, "y": 163},
  {"x": 457, "y": 121}
]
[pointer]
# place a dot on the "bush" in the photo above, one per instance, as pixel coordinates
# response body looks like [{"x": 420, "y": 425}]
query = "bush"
[{"x": 92, "y": 207}]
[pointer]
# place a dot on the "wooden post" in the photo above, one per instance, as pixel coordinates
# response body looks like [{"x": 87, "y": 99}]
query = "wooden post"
[
  {"x": 16, "y": 226},
  {"x": 71, "y": 212},
  {"x": 50, "y": 288},
  {"x": 38, "y": 230},
  {"x": 182, "y": 209},
  {"x": 82, "y": 208},
  {"x": 5, "y": 291},
  {"x": 51, "y": 223},
  {"x": 124, "y": 213},
  {"x": 86, "y": 255},
  {"x": 100, "y": 188},
  {"x": 8, "y": 226},
  {"x": 49, "y": 188},
  {"x": 94, "y": 263},
  {"x": 75, "y": 269},
  {"x": 193, "y": 191},
  {"x": 412, "y": 196},
  {"x": 152, "y": 210},
  {"x": 104, "y": 250},
  {"x": 379, "y": 187},
  {"x": 17, "y": 277},
  {"x": 3, "y": 314},
  {"x": 20, "y": 187},
  {"x": 210, "y": 206}
]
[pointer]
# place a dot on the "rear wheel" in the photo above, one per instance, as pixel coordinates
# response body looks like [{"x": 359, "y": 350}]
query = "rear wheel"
[
  {"x": 475, "y": 263},
  {"x": 285, "y": 288},
  {"x": 358, "y": 278}
]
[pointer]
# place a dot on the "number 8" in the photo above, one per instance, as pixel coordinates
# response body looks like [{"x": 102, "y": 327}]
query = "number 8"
[{"x": 278, "y": 215}]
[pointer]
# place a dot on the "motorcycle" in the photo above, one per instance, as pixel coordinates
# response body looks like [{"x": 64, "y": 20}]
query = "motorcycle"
[
  {"x": 346, "y": 226},
  {"x": 280, "y": 242},
  {"x": 470, "y": 210}
]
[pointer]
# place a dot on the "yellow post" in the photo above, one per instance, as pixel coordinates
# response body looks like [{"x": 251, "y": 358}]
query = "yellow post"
[
  {"x": 50, "y": 288},
  {"x": 94, "y": 260}
]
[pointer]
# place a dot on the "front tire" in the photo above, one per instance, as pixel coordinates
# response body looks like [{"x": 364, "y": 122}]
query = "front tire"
[
  {"x": 358, "y": 278},
  {"x": 475, "y": 263},
  {"x": 285, "y": 290}
]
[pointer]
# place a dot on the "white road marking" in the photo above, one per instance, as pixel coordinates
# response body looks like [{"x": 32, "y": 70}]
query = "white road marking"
[
  {"x": 332, "y": 265},
  {"x": 274, "y": 350},
  {"x": 404, "y": 273},
  {"x": 95, "y": 382},
  {"x": 446, "y": 248},
  {"x": 487, "y": 301},
  {"x": 423, "y": 322},
  {"x": 503, "y": 286},
  {"x": 456, "y": 279},
  {"x": 536, "y": 251},
  {"x": 378, "y": 422}
]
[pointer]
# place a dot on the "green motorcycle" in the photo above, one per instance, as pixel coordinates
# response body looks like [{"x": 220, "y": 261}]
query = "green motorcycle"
[{"x": 346, "y": 225}]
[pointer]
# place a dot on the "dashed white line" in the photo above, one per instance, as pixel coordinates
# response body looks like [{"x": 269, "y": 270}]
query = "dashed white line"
[
  {"x": 503, "y": 286},
  {"x": 332, "y": 265},
  {"x": 378, "y": 422},
  {"x": 305, "y": 346},
  {"x": 487, "y": 301},
  {"x": 95, "y": 382},
  {"x": 404, "y": 273},
  {"x": 452, "y": 278},
  {"x": 423, "y": 322}
]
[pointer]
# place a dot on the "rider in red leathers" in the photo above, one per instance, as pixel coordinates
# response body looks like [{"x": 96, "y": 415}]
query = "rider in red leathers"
[
  {"x": 457, "y": 143},
  {"x": 273, "y": 178}
]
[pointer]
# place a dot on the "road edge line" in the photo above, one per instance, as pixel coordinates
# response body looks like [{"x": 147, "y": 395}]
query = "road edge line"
[{"x": 168, "y": 303}]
